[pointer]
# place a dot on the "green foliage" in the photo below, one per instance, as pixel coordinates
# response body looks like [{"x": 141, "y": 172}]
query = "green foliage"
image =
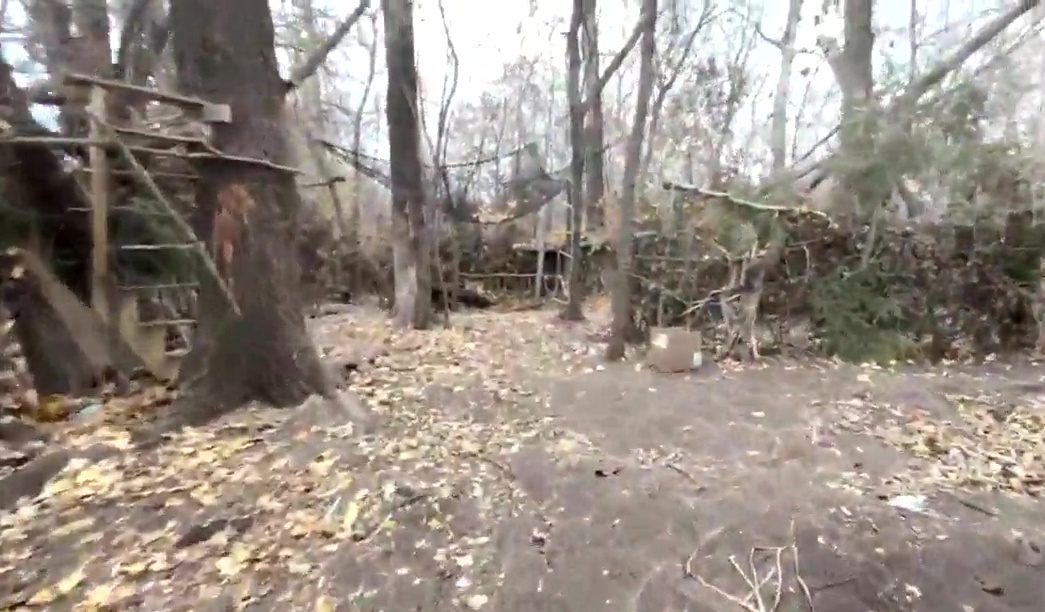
[
  {"x": 857, "y": 319},
  {"x": 15, "y": 224},
  {"x": 154, "y": 228}
]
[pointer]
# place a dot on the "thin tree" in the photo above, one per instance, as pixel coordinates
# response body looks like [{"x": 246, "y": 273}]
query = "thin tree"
[
  {"x": 573, "y": 310},
  {"x": 413, "y": 295},
  {"x": 595, "y": 181},
  {"x": 623, "y": 321},
  {"x": 782, "y": 96},
  {"x": 578, "y": 110}
]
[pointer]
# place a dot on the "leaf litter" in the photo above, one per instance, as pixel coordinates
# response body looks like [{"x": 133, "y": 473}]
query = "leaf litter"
[
  {"x": 455, "y": 404},
  {"x": 991, "y": 444}
]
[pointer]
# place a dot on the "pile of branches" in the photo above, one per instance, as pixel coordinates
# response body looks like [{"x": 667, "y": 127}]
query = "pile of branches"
[
  {"x": 889, "y": 293},
  {"x": 944, "y": 291}
]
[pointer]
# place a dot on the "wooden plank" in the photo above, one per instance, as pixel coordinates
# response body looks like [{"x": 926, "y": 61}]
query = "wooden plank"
[
  {"x": 159, "y": 286},
  {"x": 99, "y": 212},
  {"x": 208, "y": 111},
  {"x": 181, "y": 246},
  {"x": 186, "y": 229}
]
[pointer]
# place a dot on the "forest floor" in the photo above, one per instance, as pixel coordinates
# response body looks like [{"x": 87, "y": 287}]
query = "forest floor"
[{"x": 514, "y": 471}]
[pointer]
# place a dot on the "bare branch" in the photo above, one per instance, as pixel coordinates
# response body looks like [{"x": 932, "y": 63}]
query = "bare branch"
[
  {"x": 312, "y": 63},
  {"x": 615, "y": 63},
  {"x": 919, "y": 87}
]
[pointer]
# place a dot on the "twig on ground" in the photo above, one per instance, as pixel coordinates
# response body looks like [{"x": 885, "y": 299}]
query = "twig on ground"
[
  {"x": 754, "y": 581},
  {"x": 798, "y": 573},
  {"x": 968, "y": 503},
  {"x": 686, "y": 475}
]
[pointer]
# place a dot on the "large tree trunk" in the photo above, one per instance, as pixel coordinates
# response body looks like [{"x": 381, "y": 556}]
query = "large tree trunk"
[
  {"x": 224, "y": 52},
  {"x": 623, "y": 322},
  {"x": 595, "y": 186},
  {"x": 573, "y": 310},
  {"x": 413, "y": 294}
]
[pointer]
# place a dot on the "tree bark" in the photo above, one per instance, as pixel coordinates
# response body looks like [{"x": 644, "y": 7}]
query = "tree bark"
[
  {"x": 573, "y": 310},
  {"x": 224, "y": 52},
  {"x": 413, "y": 294},
  {"x": 595, "y": 185},
  {"x": 858, "y": 138},
  {"x": 623, "y": 322}
]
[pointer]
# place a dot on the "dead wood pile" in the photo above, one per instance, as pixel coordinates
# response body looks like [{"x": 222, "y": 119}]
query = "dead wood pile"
[{"x": 925, "y": 292}]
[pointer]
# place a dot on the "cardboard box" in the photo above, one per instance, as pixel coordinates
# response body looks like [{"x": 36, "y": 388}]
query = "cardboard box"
[{"x": 674, "y": 350}]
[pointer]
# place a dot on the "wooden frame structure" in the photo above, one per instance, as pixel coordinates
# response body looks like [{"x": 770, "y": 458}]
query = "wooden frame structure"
[{"x": 129, "y": 141}]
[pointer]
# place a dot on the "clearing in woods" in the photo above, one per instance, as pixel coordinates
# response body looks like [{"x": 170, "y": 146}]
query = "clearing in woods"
[{"x": 513, "y": 471}]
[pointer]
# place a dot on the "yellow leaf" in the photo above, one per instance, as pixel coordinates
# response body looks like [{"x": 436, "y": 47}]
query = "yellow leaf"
[
  {"x": 57, "y": 487},
  {"x": 351, "y": 514},
  {"x": 99, "y": 595},
  {"x": 134, "y": 569},
  {"x": 42, "y": 597},
  {"x": 73, "y": 527},
  {"x": 70, "y": 582},
  {"x": 204, "y": 495},
  {"x": 228, "y": 566},
  {"x": 52, "y": 408},
  {"x": 324, "y": 604},
  {"x": 241, "y": 553}
]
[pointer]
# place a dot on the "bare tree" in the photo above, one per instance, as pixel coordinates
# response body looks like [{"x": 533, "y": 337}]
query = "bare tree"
[
  {"x": 668, "y": 77},
  {"x": 782, "y": 96},
  {"x": 578, "y": 110},
  {"x": 573, "y": 310},
  {"x": 309, "y": 57},
  {"x": 595, "y": 185},
  {"x": 357, "y": 133},
  {"x": 413, "y": 295},
  {"x": 623, "y": 322}
]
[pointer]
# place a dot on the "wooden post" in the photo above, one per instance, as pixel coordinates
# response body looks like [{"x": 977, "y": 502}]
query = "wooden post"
[
  {"x": 539, "y": 281},
  {"x": 99, "y": 210}
]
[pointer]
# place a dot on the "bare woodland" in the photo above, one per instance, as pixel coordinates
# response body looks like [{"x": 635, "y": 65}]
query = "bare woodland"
[{"x": 397, "y": 304}]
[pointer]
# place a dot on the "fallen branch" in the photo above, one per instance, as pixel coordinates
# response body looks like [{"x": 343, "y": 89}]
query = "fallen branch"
[
  {"x": 798, "y": 573},
  {"x": 722, "y": 195}
]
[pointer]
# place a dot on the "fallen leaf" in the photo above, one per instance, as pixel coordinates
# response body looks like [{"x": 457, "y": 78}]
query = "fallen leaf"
[
  {"x": 77, "y": 525},
  {"x": 43, "y": 597},
  {"x": 70, "y": 582},
  {"x": 351, "y": 514},
  {"x": 227, "y": 566}
]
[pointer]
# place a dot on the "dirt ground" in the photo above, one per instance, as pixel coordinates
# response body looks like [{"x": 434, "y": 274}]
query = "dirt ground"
[{"x": 514, "y": 471}]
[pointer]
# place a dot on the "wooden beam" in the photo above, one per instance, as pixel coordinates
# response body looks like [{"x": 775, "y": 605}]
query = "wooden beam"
[
  {"x": 207, "y": 111},
  {"x": 143, "y": 176},
  {"x": 99, "y": 212}
]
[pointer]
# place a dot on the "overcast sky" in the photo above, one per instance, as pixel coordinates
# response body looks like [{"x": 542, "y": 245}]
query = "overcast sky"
[{"x": 488, "y": 34}]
